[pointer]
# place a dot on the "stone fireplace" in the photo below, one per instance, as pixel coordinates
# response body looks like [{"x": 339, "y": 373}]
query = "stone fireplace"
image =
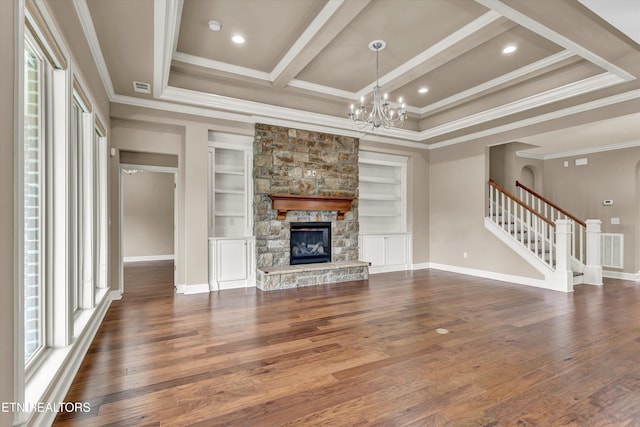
[{"x": 310, "y": 166}]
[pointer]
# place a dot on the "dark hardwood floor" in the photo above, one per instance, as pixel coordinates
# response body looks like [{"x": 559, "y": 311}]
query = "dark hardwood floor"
[{"x": 364, "y": 353}]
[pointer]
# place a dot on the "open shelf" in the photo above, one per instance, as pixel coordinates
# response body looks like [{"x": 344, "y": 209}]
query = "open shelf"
[{"x": 381, "y": 189}]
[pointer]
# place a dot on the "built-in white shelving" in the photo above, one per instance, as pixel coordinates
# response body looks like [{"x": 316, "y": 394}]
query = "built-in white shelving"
[
  {"x": 231, "y": 241},
  {"x": 229, "y": 185},
  {"x": 382, "y": 204},
  {"x": 382, "y": 193}
]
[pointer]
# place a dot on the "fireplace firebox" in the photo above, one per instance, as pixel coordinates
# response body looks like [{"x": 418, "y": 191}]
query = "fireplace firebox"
[{"x": 310, "y": 242}]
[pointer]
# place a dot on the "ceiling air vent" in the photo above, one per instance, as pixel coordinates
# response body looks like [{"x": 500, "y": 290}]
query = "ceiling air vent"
[{"x": 141, "y": 87}]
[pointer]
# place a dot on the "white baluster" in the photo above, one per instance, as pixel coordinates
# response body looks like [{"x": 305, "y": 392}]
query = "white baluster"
[{"x": 563, "y": 275}]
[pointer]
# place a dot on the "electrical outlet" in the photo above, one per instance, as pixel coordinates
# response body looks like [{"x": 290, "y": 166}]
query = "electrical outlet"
[{"x": 465, "y": 255}]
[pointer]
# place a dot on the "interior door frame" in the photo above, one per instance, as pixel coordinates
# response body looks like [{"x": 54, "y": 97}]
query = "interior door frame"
[{"x": 176, "y": 189}]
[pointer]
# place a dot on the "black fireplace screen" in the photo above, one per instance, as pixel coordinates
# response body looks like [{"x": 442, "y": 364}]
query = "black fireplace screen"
[{"x": 310, "y": 242}]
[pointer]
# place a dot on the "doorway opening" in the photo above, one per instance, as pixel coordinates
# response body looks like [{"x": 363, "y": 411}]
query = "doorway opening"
[{"x": 148, "y": 229}]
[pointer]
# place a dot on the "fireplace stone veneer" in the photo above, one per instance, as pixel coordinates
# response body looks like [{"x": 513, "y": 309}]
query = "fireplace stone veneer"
[{"x": 302, "y": 163}]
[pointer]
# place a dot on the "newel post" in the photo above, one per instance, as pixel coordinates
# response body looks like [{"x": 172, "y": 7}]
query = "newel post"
[
  {"x": 593, "y": 267},
  {"x": 563, "y": 274}
]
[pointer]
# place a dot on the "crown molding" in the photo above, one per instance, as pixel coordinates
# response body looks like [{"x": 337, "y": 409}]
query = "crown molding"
[
  {"x": 499, "y": 81},
  {"x": 179, "y": 108},
  {"x": 331, "y": 125},
  {"x": 581, "y": 152},
  {"x": 166, "y": 24},
  {"x": 222, "y": 66},
  {"x": 546, "y": 32},
  {"x": 272, "y": 112},
  {"x": 614, "y": 99},
  {"x": 82, "y": 10},
  {"x": 569, "y": 90},
  {"x": 312, "y": 87},
  {"x": 345, "y": 126},
  {"x": 530, "y": 155}
]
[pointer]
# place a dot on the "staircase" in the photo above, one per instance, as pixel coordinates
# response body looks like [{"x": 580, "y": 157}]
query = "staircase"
[{"x": 563, "y": 248}]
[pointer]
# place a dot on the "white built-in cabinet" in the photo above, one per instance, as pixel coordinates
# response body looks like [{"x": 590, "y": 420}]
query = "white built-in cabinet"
[
  {"x": 386, "y": 252},
  {"x": 231, "y": 263},
  {"x": 230, "y": 216},
  {"x": 382, "y": 212}
]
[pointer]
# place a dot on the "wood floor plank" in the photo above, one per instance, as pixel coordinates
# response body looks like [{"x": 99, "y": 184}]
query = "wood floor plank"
[{"x": 363, "y": 353}]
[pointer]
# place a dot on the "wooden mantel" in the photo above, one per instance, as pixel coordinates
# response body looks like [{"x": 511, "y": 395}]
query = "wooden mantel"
[{"x": 290, "y": 202}]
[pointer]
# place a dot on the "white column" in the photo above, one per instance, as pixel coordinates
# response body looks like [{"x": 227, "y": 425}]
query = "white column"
[
  {"x": 86, "y": 298},
  {"x": 593, "y": 267},
  {"x": 563, "y": 278},
  {"x": 103, "y": 214},
  {"x": 61, "y": 311}
]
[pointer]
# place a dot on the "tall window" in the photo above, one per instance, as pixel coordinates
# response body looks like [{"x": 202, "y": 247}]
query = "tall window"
[{"x": 33, "y": 197}]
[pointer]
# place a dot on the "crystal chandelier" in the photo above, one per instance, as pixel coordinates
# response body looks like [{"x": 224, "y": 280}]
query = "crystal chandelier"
[{"x": 381, "y": 114}]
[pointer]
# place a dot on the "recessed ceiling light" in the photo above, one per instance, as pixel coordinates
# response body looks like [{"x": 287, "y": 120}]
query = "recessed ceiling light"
[
  {"x": 215, "y": 26},
  {"x": 237, "y": 39},
  {"x": 423, "y": 90},
  {"x": 509, "y": 49}
]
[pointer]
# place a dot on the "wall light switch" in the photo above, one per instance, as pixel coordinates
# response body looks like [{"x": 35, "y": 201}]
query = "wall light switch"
[{"x": 615, "y": 221}]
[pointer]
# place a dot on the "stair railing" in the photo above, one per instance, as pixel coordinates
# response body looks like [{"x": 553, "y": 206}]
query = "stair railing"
[
  {"x": 531, "y": 229},
  {"x": 553, "y": 212}
]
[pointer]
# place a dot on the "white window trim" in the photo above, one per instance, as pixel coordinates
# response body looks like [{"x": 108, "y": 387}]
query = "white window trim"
[
  {"x": 36, "y": 359},
  {"x": 51, "y": 379}
]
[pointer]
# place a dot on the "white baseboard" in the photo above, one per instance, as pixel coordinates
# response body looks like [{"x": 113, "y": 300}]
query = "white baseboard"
[
  {"x": 147, "y": 258},
  {"x": 420, "y": 266},
  {"x": 388, "y": 269},
  {"x": 620, "y": 275},
  {"x": 519, "y": 280},
  {"x": 200, "y": 288}
]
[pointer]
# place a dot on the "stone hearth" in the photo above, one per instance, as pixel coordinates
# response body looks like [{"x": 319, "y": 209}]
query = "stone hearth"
[{"x": 296, "y": 162}]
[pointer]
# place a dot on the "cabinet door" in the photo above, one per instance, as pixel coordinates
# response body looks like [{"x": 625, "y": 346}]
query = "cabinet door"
[
  {"x": 373, "y": 248},
  {"x": 231, "y": 262},
  {"x": 396, "y": 250}
]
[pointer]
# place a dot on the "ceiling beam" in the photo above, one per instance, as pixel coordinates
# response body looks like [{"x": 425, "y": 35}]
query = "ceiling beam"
[
  {"x": 330, "y": 22},
  {"x": 463, "y": 40}
]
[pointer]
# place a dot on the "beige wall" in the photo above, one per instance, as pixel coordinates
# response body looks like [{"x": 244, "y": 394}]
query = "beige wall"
[
  {"x": 582, "y": 189},
  {"x": 7, "y": 137},
  {"x": 458, "y": 177},
  {"x": 505, "y": 167},
  {"x": 151, "y": 131},
  {"x": 147, "y": 212}
]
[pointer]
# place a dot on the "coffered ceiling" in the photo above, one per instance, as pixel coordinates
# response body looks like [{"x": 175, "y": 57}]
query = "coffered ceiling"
[{"x": 304, "y": 62}]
